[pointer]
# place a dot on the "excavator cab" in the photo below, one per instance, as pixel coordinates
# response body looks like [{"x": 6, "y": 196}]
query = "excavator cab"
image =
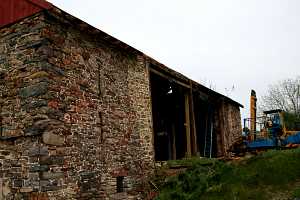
[{"x": 274, "y": 123}]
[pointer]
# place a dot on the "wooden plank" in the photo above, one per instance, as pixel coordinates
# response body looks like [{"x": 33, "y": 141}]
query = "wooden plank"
[
  {"x": 193, "y": 123},
  {"x": 173, "y": 142},
  {"x": 169, "y": 77},
  {"x": 205, "y": 132},
  {"x": 187, "y": 126},
  {"x": 223, "y": 127}
]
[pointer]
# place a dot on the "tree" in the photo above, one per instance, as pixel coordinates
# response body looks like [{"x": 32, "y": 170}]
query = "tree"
[{"x": 284, "y": 95}]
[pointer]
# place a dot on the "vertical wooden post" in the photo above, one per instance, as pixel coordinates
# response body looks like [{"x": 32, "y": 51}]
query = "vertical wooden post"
[
  {"x": 223, "y": 126},
  {"x": 150, "y": 95},
  {"x": 173, "y": 142},
  {"x": 187, "y": 125},
  {"x": 1, "y": 120},
  {"x": 193, "y": 123}
]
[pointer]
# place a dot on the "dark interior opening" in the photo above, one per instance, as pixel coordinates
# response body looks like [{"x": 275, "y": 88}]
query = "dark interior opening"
[
  {"x": 120, "y": 184},
  {"x": 205, "y": 125},
  {"x": 168, "y": 111}
]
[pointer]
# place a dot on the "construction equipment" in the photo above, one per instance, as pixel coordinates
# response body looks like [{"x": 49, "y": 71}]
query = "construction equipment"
[{"x": 275, "y": 128}]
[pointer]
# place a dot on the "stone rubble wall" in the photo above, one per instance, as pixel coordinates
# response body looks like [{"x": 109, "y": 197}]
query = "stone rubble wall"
[
  {"x": 232, "y": 128},
  {"x": 26, "y": 164},
  {"x": 227, "y": 126},
  {"x": 75, "y": 114}
]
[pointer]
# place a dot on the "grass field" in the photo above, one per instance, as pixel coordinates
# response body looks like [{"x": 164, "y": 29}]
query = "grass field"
[{"x": 271, "y": 175}]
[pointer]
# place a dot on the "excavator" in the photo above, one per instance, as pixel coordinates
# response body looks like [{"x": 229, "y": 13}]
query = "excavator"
[{"x": 274, "y": 129}]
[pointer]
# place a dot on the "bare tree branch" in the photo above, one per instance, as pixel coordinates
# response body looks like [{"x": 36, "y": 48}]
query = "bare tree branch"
[{"x": 283, "y": 95}]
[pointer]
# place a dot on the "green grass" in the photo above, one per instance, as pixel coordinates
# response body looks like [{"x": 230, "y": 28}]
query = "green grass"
[
  {"x": 296, "y": 193},
  {"x": 259, "y": 177}
]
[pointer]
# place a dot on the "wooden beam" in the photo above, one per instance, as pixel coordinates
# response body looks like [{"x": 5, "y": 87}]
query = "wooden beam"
[
  {"x": 168, "y": 77},
  {"x": 173, "y": 142},
  {"x": 205, "y": 132},
  {"x": 223, "y": 126},
  {"x": 193, "y": 123},
  {"x": 187, "y": 125},
  {"x": 151, "y": 106}
]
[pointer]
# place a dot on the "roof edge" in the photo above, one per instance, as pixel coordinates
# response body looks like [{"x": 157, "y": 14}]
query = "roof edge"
[
  {"x": 41, "y": 4},
  {"x": 84, "y": 25}
]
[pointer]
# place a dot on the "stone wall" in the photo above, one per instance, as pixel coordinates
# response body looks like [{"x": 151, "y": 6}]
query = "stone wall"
[
  {"x": 75, "y": 114},
  {"x": 227, "y": 126},
  {"x": 23, "y": 110},
  {"x": 232, "y": 127}
]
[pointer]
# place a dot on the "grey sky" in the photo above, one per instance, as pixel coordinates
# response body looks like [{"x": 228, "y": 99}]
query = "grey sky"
[{"x": 242, "y": 43}]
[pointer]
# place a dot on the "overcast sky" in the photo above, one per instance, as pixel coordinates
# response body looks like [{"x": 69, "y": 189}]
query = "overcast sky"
[{"x": 228, "y": 44}]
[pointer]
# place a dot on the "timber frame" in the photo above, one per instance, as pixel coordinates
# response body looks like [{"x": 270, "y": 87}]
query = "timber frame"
[{"x": 192, "y": 92}]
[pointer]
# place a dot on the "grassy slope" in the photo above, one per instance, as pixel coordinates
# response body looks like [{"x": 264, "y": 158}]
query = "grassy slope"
[{"x": 271, "y": 175}]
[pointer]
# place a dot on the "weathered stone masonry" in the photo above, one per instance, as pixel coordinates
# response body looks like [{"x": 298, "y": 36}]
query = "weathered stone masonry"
[
  {"x": 76, "y": 116},
  {"x": 76, "y": 110}
]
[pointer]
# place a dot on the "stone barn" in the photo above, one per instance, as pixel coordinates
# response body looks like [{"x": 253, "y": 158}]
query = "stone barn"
[{"x": 86, "y": 116}]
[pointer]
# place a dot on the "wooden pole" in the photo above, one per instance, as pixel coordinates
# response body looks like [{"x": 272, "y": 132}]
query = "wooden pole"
[
  {"x": 173, "y": 142},
  {"x": 193, "y": 123},
  {"x": 223, "y": 127},
  {"x": 187, "y": 126},
  {"x": 151, "y": 103}
]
